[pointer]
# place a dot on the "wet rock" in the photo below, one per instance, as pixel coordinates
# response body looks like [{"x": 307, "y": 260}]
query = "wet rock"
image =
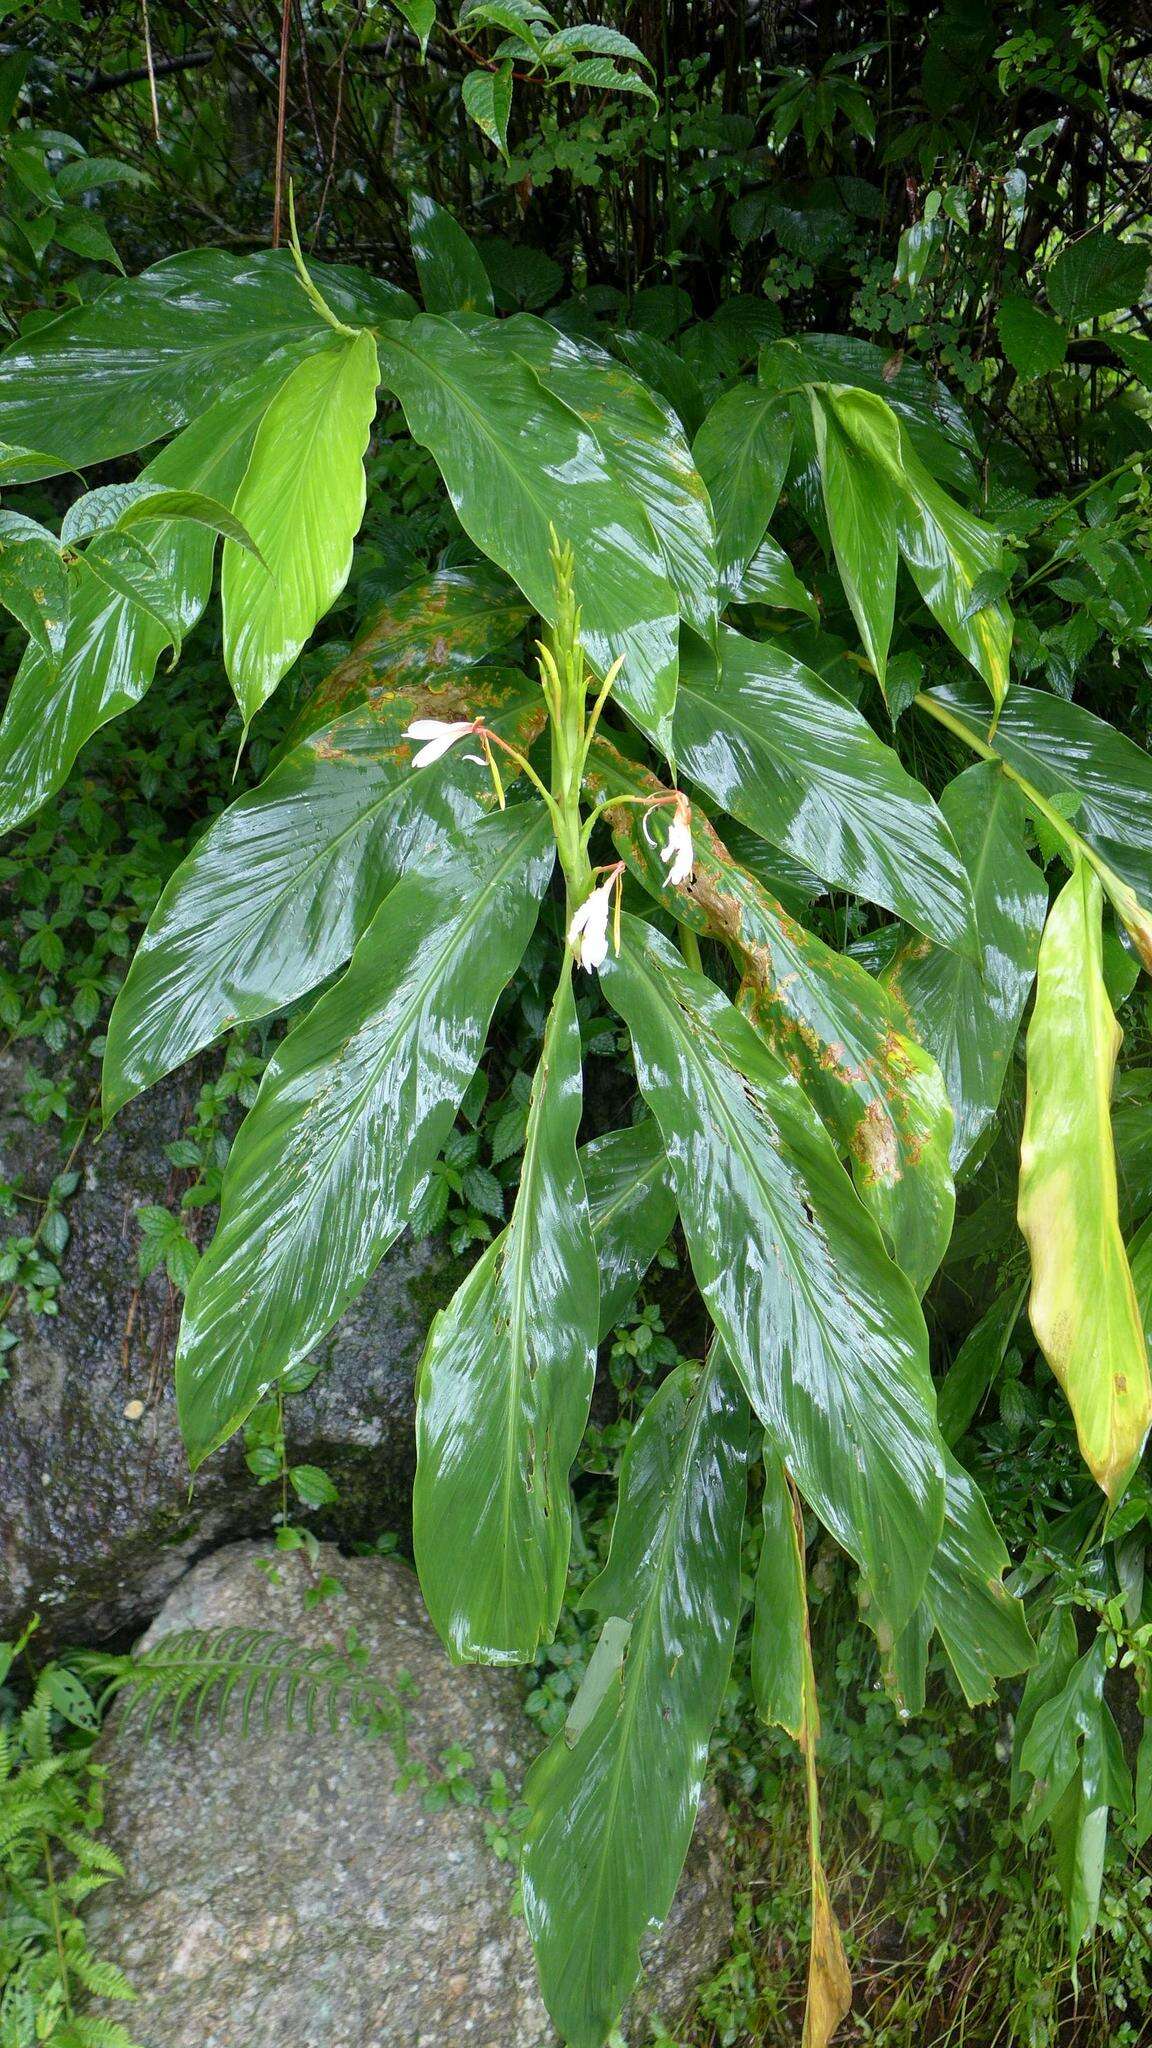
[
  {"x": 96, "y": 1523},
  {"x": 285, "y": 1892}
]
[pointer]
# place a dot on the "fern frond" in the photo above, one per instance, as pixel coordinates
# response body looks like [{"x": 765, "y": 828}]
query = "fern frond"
[{"x": 275, "y": 1680}]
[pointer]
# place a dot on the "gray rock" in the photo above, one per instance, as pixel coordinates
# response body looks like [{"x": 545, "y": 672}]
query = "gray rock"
[
  {"x": 283, "y": 1892},
  {"x": 96, "y": 1522}
]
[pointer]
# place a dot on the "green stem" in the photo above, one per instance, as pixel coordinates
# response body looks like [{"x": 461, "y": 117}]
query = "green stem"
[{"x": 1123, "y": 898}]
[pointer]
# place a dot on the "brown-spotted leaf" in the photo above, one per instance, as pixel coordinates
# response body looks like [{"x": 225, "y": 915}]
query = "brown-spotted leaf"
[
  {"x": 843, "y": 1036},
  {"x": 427, "y": 633}
]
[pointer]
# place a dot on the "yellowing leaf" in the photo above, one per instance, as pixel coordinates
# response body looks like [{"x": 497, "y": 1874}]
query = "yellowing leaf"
[
  {"x": 302, "y": 500},
  {"x": 1083, "y": 1304}
]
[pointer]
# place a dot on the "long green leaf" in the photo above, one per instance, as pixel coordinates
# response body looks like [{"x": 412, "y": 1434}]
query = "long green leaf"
[
  {"x": 825, "y": 1331},
  {"x": 613, "y": 1799},
  {"x": 789, "y": 757},
  {"x": 641, "y": 444},
  {"x": 517, "y": 463},
  {"x": 780, "y": 1616},
  {"x": 839, "y": 1031},
  {"x": 452, "y": 277},
  {"x": 633, "y": 1210},
  {"x": 968, "y": 1017},
  {"x": 275, "y": 895},
  {"x": 504, "y": 1388},
  {"x": 861, "y": 505},
  {"x": 1083, "y": 1304},
  {"x": 111, "y": 647},
  {"x": 742, "y": 452},
  {"x": 351, "y": 1113},
  {"x": 153, "y": 353},
  {"x": 302, "y": 500}
]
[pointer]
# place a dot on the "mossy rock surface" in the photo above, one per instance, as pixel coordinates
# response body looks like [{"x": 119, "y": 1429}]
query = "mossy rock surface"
[{"x": 96, "y": 1518}]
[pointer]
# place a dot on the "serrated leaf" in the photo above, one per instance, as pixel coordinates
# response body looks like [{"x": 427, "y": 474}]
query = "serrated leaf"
[
  {"x": 1098, "y": 273},
  {"x": 504, "y": 1387},
  {"x": 279, "y": 889},
  {"x": 825, "y": 1331},
  {"x": 612, "y": 1801},
  {"x": 351, "y": 1115},
  {"x": 302, "y": 500},
  {"x": 1033, "y": 342},
  {"x": 1083, "y": 1305},
  {"x": 452, "y": 277},
  {"x": 770, "y": 742},
  {"x": 969, "y": 1016}
]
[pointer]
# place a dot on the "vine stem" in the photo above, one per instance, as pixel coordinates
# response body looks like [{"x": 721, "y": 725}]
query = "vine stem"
[{"x": 281, "y": 118}]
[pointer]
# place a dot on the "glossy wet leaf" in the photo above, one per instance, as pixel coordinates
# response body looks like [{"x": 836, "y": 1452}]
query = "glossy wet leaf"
[
  {"x": 613, "y": 1799},
  {"x": 969, "y": 1016},
  {"x": 34, "y": 582},
  {"x": 770, "y": 742},
  {"x": 780, "y": 1614},
  {"x": 951, "y": 556},
  {"x": 1083, "y": 1305},
  {"x": 1062, "y": 749},
  {"x": 503, "y": 1391},
  {"x": 156, "y": 351},
  {"x": 936, "y": 424},
  {"x": 111, "y": 647},
  {"x": 838, "y": 1030},
  {"x": 641, "y": 444},
  {"x": 517, "y": 461},
  {"x": 878, "y": 495},
  {"x": 742, "y": 452},
  {"x": 770, "y": 579},
  {"x": 633, "y": 1210},
  {"x": 825, "y": 1331},
  {"x": 274, "y": 896},
  {"x": 351, "y": 1114},
  {"x": 452, "y": 277},
  {"x": 861, "y": 503},
  {"x": 127, "y": 567},
  {"x": 302, "y": 500},
  {"x": 424, "y": 636}
]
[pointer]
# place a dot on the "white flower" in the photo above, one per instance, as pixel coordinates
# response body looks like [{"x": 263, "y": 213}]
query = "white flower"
[
  {"x": 678, "y": 848},
  {"x": 438, "y": 735},
  {"x": 588, "y": 931}
]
